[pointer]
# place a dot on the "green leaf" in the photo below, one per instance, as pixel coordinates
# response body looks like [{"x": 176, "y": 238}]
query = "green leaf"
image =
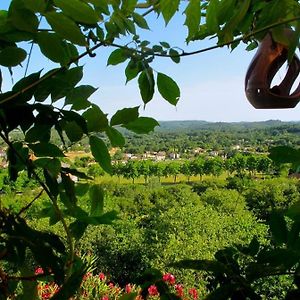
[
  {"x": 76, "y": 173},
  {"x": 41, "y": 132},
  {"x": 79, "y": 95},
  {"x": 117, "y": 56},
  {"x": 235, "y": 20},
  {"x": 100, "y": 33},
  {"x": 174, "y": 55},
  {"x": 278, "y": 227},
  {"x": 276, "y": 258},
  {"x": 66, "y": 28},
  {"x": 168, "y": 88},
  {"x": 96, "y": 195},
  {"x": 24, "y": 83},
  {"x": 96, "y": 119},
  {"x": 140, "y": 21},
  {"x": 71, "y": 76},
  {"x": 81, "y": 188},
  {"x": 125, "y": 115},
  {"x": 53, "y": 47},
  {"x": 141, "y": 125},
  {"x": 211, "y": 16},
  {"x": 226, "y": 10},
  {"x": 46, "y": 149},
  {"x": 130, "y": 26},
  {"x": 63, "y": 83},
  {"x": 165, "y": 44},
  {"x": 53, "y": 165},
  {"x": 193, "y": 14},
  {"x": 72, "y": 116},
  {"x": 132, "y": 70},
  {"x": 146, "y": 85},
  {"x": 169, "y": 8},
  {"x": 73, "y": 131},
  {"x": 116, "y": 138},
  {"x": 106, "y": 218},
  {"x": 100, "y": 153},
  {"x": 4, "y": 24},
  {"x": 128, "y": 6},
  {"x": 78, "y": 10},
  {"x": 12, "y": 56},
  {"x": 77, "y": 229},
  {"x": 24, "y": 20},
  {"x": 35, "y": 5}
]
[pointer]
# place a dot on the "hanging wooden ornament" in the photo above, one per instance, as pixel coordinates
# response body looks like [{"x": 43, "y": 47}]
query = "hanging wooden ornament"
[{"x": 268, "y": 59}]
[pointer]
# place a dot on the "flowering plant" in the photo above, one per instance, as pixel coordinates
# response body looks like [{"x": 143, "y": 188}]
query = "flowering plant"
[{"x": 99, "y": 286}]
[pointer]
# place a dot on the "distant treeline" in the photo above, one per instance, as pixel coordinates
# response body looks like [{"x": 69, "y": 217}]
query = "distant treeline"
[{"x": 185, "y": 136}]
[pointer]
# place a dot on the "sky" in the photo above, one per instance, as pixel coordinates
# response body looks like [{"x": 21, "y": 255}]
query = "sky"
[{"x": 211, "y": 83}]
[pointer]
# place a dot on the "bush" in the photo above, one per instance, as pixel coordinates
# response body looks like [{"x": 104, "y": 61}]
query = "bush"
[
  {"x": 160, "y": 225},
  {"x": 270, "y": 194}
]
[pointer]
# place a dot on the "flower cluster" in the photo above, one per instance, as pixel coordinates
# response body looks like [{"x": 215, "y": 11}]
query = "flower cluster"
[
  {"x": 47, "y": 290},
  {"x": 100, "y": 287},
  {"x": 170, "y": 278}
]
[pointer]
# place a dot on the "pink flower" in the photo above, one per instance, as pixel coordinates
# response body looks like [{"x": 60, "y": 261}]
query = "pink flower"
[
  {"x": 193, "y": 292},
  {"x": 101, "y": 276},
  {"x": 170, "y": 278},
  {"x": 111, "y": 285},
  {"x": 87, "y": 275},
  {"x": 179, "y": 290},
  {"x": 38, "y": 271},
  {"x": 105, "y": 298},
  {"x": 152, "y": 290},
  {"x": 128, "y": 288}
]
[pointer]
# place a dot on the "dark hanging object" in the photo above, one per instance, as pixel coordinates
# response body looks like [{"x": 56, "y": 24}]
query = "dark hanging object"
[{"x": 268, "y": 59}]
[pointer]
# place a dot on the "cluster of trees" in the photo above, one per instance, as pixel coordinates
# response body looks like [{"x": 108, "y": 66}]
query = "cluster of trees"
[
  {"x": 239, "y": 164},
  {"x": 166, "y": 223},
  {"x": 215, "y": 136},
  {"x": 185, "y": 136}
]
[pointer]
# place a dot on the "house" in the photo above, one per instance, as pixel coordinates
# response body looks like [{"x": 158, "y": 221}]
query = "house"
[
  {"x": 174, "y": 155},
  {"x": 161, "y": 155}
]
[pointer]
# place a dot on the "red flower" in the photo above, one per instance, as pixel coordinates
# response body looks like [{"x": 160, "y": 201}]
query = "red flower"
[
  {"x": 179, "y": 290},
  {"x": 46, "y": 295},
  {"x": 87, "y": 275},
  {"x": 38, "y": 271},
  {"x": 111, "y": 285},
  {"x": 128, "y": 288},
  {"x": 101, "y": 276},
  {"x": 105, "y": 298},
  {"x": 193, "y": 292},
  {"x": 152, "y": 290},
  {"x": 170, "y": 278}
]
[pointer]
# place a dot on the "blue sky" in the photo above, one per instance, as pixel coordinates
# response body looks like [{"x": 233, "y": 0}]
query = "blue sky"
[{"x": 212, "y": 83}]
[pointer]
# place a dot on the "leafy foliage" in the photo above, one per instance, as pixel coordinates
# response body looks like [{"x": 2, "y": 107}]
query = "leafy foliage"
[{"x": 65, "y": 32}]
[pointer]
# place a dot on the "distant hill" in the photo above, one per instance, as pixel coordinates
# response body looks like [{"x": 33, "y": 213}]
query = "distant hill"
[{"x": 191, "y": 125}]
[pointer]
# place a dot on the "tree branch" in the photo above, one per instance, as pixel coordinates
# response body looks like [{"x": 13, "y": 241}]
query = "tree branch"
[
  {"x": 53, "y": 73},
  {"x": 48, "y": 192},
  {"x": 30, "y": 203},
  {"x": 244, "y": 37}
]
